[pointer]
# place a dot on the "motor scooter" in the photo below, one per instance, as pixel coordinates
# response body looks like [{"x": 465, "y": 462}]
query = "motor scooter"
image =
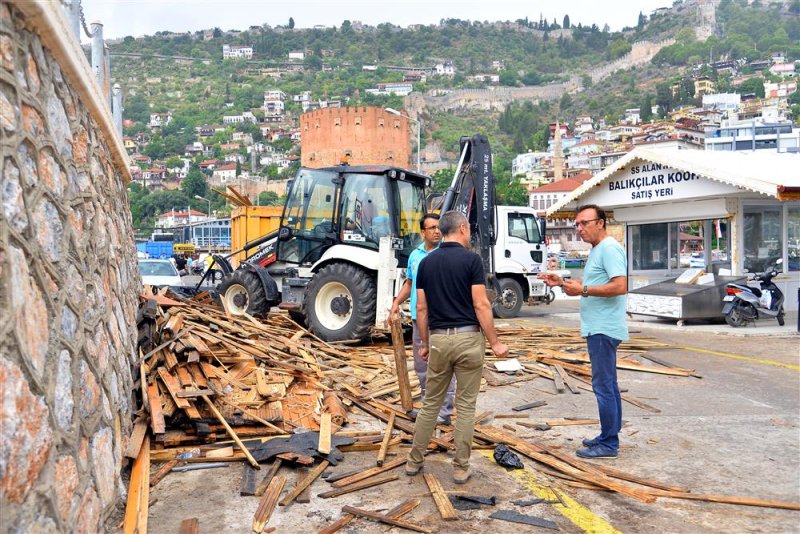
[{"x": 744, "y": 303}]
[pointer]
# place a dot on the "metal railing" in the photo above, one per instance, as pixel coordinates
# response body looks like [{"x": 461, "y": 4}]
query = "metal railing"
[{"x": 100, "y": 58}]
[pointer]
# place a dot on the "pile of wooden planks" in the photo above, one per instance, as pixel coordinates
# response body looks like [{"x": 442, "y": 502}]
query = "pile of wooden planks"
[{"x": 212, "y": 386}]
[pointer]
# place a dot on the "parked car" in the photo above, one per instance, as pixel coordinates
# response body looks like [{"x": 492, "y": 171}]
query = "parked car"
[{"x": 159, "y": 273}]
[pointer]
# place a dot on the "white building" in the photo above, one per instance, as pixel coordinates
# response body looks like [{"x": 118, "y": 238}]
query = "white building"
[
  {"x": 274, "y": 102},
  {"x": 174, "y": 218},
  {"x": 527, "y": 162},
  {"x": 399, "y": 89},
  {"x": 297, "y": 55},
  {"x": 237, "y": 52},
  {"x": 486, "y": 78},
  {"x": 225, "y": 172},
  {"x": 445, "y": 69},
  {"x": 779, "y": 89},
  {"x": 756, "y": 134},
  {"x": 743, "y": 204},
  {"x": 159, "y": 120},
  {"x": 722, "y": 101}
]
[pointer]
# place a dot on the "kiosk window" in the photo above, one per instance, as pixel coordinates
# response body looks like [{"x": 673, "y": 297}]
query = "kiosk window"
[
  {"x": 677, "y": 246},
  {"x": 794, "y": 238},
  {"x": 762, "y": 236}
]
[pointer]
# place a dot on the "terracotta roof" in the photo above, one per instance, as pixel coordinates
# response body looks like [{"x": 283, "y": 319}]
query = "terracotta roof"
[
  {"x": 226, "y": 167},
  {"x": 564, "y": 185}
]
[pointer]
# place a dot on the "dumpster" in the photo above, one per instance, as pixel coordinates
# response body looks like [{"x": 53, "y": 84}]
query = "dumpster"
[
  {"x": 671, "y": 300},
  {"x": 249, "y": 223}
]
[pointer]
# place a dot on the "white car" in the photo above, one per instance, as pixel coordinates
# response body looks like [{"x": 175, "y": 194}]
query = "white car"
[{"x": 159, "y": 273}]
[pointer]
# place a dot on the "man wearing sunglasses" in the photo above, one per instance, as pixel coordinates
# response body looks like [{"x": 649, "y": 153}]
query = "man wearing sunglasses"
[
  {"x": 603, "y": 322},
  {"x": 429, "y": 228}
]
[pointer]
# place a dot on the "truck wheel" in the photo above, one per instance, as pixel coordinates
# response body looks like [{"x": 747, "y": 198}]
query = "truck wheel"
[
  {"x": 242, "y": 292},
  {"x": 509, "y": 300},
  {"x": 339, "y": 302}
]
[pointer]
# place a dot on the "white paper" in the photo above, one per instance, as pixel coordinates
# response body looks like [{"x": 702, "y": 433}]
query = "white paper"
[
  {"x": 508, "y": 365},
  {"x": 706, "y": 279}
]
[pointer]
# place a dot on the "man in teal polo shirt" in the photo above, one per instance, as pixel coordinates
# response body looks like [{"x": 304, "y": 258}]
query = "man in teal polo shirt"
[
  {"x": 429, "y": 227},
  {"x": 603, "y": 322}
]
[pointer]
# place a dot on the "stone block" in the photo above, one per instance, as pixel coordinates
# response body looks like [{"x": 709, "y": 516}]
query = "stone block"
[
  {"x": 29, "y": 310},
  {"x": 32, "y": 121},
  {"x": 88, "y": 519},
  {"x": 48, "y": 229},
  {"x": 13, "y": 199},
  {"x": 104, "y": 466},
  {"x": 25, "y": 435},
  {"x": 64, "y": 401},
  {"x": 89, "y": 393},
  {"x": 9, "y": 110},
  {"x": 66, "y": 481},
  {"x": 7, "y": 52}
]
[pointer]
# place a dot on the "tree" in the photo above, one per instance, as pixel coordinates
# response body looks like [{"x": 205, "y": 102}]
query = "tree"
[
  {"x": 194, "y": 183},
  {"x": 217, "y": 33},
  {"x": 565, "y": 102},
  {"x": 752, "y": 86},
  {"x": 566, "y": 22},
  {"x": 645, "y": 110},
  {"x": 269, "y": 198},
  {"x": 794, "y": 7},
  {"x": 441, "y": 180},
  {"x": 173, "y": 162},
  {"x": 641, "y": 22},
  {"x": 291, "y": 23}
]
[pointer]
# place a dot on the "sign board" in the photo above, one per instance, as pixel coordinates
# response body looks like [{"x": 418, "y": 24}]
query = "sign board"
[{"x": 642, "y": 182}]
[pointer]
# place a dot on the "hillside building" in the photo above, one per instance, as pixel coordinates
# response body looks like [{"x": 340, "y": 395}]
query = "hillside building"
[{"x": 237, "y": 52}]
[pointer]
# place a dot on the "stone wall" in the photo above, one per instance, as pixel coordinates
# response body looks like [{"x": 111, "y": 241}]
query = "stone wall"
[{"x": 68, "y": 293}]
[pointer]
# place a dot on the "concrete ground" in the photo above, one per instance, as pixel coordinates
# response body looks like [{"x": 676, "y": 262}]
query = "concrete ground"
[{"x": 736, "y": 431}]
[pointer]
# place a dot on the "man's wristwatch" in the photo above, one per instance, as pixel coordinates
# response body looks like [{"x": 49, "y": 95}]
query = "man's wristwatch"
[{"x": 585, "y": 291}]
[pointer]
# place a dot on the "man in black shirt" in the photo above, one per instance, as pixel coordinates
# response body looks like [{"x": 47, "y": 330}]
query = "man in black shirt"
[{"x": 452, "y": 302}]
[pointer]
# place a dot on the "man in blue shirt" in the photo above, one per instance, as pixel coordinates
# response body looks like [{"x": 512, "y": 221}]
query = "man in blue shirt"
[
  {"x": 603, "y": 322},
  {"x": 429, "y": 227}
]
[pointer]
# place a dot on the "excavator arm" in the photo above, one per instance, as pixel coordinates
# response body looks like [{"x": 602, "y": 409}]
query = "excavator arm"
[{"x": 472, "y": 192}]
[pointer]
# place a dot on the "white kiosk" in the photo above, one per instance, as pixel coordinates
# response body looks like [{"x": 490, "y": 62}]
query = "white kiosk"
[{"x": 727, "y": 213}]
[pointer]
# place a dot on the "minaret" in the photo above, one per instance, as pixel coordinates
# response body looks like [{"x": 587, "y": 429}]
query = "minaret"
[{"x": 558, "y": 156}]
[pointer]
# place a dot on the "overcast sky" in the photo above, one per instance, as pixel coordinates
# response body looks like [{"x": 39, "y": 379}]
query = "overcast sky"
[{"x": 145, "y": 17}]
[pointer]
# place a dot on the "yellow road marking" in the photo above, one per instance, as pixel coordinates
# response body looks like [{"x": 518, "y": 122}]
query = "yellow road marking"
[
  {"x": 578, "y": 515},
  {"x": 744, "y": 358}
]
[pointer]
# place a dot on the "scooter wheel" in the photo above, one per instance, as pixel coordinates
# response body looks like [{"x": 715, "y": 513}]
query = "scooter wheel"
[{"x": 781, "y": 319}]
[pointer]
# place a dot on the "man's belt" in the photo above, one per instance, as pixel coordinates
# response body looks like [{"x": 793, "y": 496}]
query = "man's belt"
[{"x": 455, "y": 330}]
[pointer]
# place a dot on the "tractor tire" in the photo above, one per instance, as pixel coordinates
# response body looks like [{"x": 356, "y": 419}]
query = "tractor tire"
[
  {"x": 242, "y": 292},
  {"x": 739, "y": 314},
  {"x": 509, "y": 299},
  {"x": 339, "y": 302}
]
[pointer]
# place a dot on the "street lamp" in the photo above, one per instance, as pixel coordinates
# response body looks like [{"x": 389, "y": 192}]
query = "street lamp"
[
  {"x": 198, "y": 197},
  {"x": 419, "y": 130}
]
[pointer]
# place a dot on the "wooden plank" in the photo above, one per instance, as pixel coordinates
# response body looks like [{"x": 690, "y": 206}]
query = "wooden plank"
[
  {"x": 535, "y": 404},
  {"x": 248, "y": 487},
  {"x": 401, "y": 369},
  {"x": 136, "y": 439},
  {"x": 566, "y": 379},
  {"x": 386, "y": 437},
  {"x": 395, "y": 513},
  {"x": 222, "y": 452},
  {"x": 303, "y": 484},
  {"x": 231, "y": 433},
  {"x": 384, "y": 519},
  {"x": 190, "y": 526},
  {"x": 397, "y": 462},
  {"x": 443, "y": 503},
  {"x": 267, "y": 503},
  {"x": 305, "y": 495},
  {"x": 138, "y": 492},
  {"x": 558, "y": 381},
  {"x": 273, "y": 470},
  {"x": 157, "y": 422},
  {"x": 184, "y": 377},
  {"x": 173, "y": 387},
  {"x": 324, "y": 444},
  {"x": 368, "y": 483},
  {"x": 743, "y": 501},
  {"x": 570, "y": 422},
  {"x": 163, "y": 471}
]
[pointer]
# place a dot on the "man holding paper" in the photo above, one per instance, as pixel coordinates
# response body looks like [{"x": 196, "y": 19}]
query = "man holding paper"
[{"x": 603, "y": 322}]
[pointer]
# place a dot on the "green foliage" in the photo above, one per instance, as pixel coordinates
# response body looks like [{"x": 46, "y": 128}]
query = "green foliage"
[
  {"x": 441, "y": 179},
  {"x": 270, "y": 198},
  {"x": 195, "y": 183},
  {"x": 752, "y": 86},
  {"x": 645, "y": 109},
  {"x": 173, "y": 162}
]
